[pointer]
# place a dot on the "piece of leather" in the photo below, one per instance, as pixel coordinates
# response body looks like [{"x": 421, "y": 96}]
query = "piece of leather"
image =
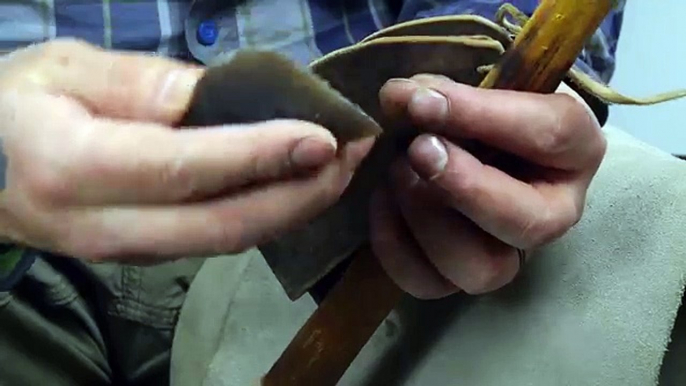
[
  {"x": 255, "y": 86},
  {"x": 303, "y": 256},
  {"x": 340, "y": 92}
]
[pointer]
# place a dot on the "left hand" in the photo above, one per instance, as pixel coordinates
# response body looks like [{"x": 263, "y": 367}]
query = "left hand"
[{"x": 448, "y": 221}]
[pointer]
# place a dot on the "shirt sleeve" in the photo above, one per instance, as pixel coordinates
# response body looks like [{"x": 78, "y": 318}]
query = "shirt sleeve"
[{"x": 15, "y": 261}]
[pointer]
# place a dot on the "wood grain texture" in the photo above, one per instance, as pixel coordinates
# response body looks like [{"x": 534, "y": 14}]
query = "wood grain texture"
[
  {"x": 548, "y": 45},
  {"x": 330, "y": 340}
]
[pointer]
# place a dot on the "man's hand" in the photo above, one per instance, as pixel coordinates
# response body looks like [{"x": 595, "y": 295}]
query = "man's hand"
[
  {"x": 449, "y": 221},
  {"x": 96, "y": 171}
]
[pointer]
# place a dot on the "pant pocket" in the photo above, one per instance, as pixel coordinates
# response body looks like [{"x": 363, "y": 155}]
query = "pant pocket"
[{"x": 150, "y": 295}]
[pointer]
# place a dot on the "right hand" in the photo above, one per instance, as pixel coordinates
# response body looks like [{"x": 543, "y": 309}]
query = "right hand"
[{"x": 96, "y": 171}]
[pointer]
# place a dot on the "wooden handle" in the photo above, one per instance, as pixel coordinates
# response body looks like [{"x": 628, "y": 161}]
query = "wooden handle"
[
  {"x": 339, "y": 328},
  {"x": 548, "y": 45},
  {"x": 325, "y": 346}
]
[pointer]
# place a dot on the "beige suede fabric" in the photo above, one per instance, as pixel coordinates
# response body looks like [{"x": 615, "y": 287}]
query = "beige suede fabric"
[{"x": 597, "y": 307}]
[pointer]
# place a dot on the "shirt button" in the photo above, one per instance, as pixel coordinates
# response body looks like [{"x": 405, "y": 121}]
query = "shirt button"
[{"x": 207, "y": 33}]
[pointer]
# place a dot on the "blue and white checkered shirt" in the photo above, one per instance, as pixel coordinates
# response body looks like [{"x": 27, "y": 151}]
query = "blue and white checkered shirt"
[{"x": 200, "y": 30}]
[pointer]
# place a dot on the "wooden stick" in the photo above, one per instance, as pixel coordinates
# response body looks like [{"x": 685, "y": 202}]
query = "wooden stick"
[
  {"x": 334, "y": 335},
  {"x": 548, "y": 45},
  {"x": 330, "y": 340}
]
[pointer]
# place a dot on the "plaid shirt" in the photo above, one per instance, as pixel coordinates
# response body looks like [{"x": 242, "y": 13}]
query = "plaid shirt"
[{"x": 200, "y": 30}]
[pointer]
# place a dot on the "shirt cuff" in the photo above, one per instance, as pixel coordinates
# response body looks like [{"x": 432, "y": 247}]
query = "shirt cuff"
[{"x": 15, "y": 261}]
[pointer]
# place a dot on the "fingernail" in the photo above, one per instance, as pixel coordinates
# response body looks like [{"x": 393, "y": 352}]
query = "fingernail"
[
  {"x": 312, "y": 152},
  {"x": 393, "y": 106},
  {"x": 429, "y": 105},
  {"x": 429, "y": 156},
  {"x": 431, "y": 77},
  {"x": 402, "y": 83},
  {"x": 177, "y": 89}
]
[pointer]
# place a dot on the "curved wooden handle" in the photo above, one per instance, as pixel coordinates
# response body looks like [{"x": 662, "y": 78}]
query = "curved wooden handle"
[
  {"x": 330, "y": 340},
  {"x": 548, "y": 45},
  {"x": 333, "y": 336}
]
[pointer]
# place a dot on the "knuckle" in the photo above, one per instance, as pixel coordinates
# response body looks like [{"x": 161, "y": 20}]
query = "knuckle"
[
  {"x": 261, "y": 165},
  {"x": 550, "y": 226},
  {"x": 536, "y": 230},
  {"x": 231, "y": 233},
  {"x": 598, "y": 150},
  {"x": 48, "y": 186},
  {"x": 104, "y": 247},
  {"x": 84, "y": 246},
  {"x": 432, "y": 80},
  {"x": 568, "y": 117},
  {"x": 254, "y": 166},
  {"x": 570, "y": 218},
  {"x": 176, "y": 174},
  {"x": 467, "y": 114},
  {"x": 62, "y": 49},
  {"x": 82, "y": 236},
  {"x": 264, "y": 167},
  {"x": 331, "y": 192},
  {"x": 487, "y": 278},
  {"x": 91, "y": 244},
  {"x": 577, "y": 209},
  {"x": 428, "y": 291},
  {"x": 325, "y": 191},
  {"x": 31, "y": 64},
  {"x": 98, "y": 252},
  {"x": 463, "y": 186},
  {"x": 60, "y": 53},
  {"x": 328, "y": 195},
  {"x": 420, "y": 292},
  {"x": 496, "y": 268},
  {"x": 557, "y": 138}
]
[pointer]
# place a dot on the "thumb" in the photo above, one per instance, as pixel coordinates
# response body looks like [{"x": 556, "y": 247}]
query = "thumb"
[{"x": 123, "y": 85}]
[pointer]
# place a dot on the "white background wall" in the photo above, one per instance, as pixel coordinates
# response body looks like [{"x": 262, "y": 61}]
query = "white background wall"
[{"x": 652, "y": 58}]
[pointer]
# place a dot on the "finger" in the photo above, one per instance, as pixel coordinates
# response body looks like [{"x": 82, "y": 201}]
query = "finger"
[
  {"x": 115, "y": 162},
  {"x": 222, "y": 226},
  {"x": 551, "y": 130},
  {"x": 395, "y": 95},
  {"x": 464, "y": 254},
  {"x": 399, "y": 254},
  {"x": 124, "y": 167},
  {"x": 518, "y": 213},
  {"x": 135, "y": 86}
]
